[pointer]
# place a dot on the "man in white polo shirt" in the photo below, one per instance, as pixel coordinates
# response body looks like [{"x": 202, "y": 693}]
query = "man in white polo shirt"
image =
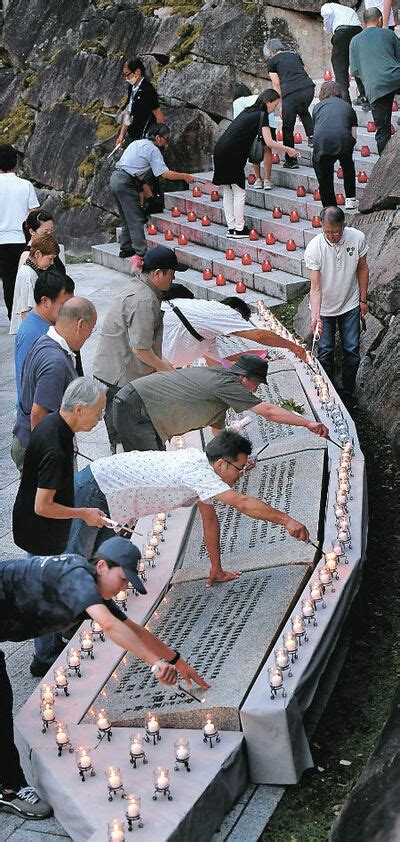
[{"x": 339, "y": 283}]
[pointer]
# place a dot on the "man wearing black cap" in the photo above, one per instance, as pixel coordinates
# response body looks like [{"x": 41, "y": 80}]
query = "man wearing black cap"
[
  {"x": 42, "y": 595},
  {"x": 150, "y": 411},
  {"x": 130, "y": 343}
]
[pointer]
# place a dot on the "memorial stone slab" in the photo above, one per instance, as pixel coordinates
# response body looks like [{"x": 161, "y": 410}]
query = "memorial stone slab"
[{"x": 225, "y": 632}]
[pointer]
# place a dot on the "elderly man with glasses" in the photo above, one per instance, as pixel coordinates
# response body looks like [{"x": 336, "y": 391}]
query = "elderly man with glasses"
[{"x": 339, "y": 274}]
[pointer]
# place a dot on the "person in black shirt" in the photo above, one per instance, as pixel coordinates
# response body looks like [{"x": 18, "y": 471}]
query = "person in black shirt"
[
  {"x": 294, "y": 85},
  {"x": 142, "y": 107},
  {"x": 335, "y": 123},
  {"x": 43, "y": 595},
  {"x": 232, "y": 151},
  {"x": 44, "y": 506}
]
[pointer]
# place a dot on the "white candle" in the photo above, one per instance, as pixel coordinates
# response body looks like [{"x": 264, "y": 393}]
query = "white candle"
[
  {"x": 316, "y": 591},
  {"x": 47, "y": 693},
  {"x": 308, "y": 609},
  {"x": 291, "y": 643},
  {"x": 298, "y": 625},
  {"x": 337, "y": 550},
  {"x": 276, "y": 679},
  {"x": 86, "y": 644},
  {"x": 74, "y": 659},
  {"x": 121, "y": 596},
  {"x": 61, "y": 680},
  {"x": 153, "y": 541},
  {"x": 85, "y": 761},
  {"x": 343, "y": 536},
  {"x": 62, "y": 738},
  {"x": 282, "y": 658},
  {"x": 136, "y": 748},
  {"x": 114, "y": 780},
  {"x": 344, "y": 523},
  {"x": 103, "y": 722},
  {"x": 152, "y": 725},
  {"x": 341, "y": 498},
  {"x": 96, "y": 627},
  {"x": 339, "y": 511},
  {"x": 158, "y": 528},
  {"x": 162, "y": 781},
  {"x": 133, "y": 809},
  {"x": 209, "y": 728},
  {"x": 149, "y": 552},
  {"x": 161, "y": 516},
  {"x": 117, "y": 835},
  {"x": 182, "y": 753},
  {"x": 48, "y": 714}
]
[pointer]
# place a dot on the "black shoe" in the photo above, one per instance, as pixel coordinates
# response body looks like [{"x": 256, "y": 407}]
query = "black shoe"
[
  {"x": 243, "y": 233},
  {"x": 231, "y": 232},
  {"x": 37, "y": 668},
  {"x": 363, "y": 102},
  {"x": 126, "y": 252},
  {"x": 25, "y": 803},
  {"x": 311, "y": 141},
  {"x": 290, "y": 165}
]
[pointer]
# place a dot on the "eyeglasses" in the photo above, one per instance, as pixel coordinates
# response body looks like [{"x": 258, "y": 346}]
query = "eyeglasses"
[{"x": 239, "y": 470}]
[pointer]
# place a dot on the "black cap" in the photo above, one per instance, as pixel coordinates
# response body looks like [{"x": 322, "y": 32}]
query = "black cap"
[
  {"x": 124, "y": 554},
  {"x": 251, "y": 367},
  {"x": 161, "y": 257}
]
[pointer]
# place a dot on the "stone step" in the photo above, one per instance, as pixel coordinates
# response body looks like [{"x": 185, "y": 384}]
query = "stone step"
[
  {"x": 214, "y": 237},
  {"x": 281, "y": 177},
  {"x": 281, "y": 197}
]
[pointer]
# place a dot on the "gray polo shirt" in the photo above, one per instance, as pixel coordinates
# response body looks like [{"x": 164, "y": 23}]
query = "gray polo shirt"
[
  {"x": 140, "y": 157},
  {"x": 179, "y": 401},
  {"x": 134, "y": 320}
]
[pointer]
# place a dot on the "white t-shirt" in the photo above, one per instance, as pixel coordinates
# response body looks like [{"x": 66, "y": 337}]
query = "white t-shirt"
[
  {"x": 335, "y": 15},
  {"x": 142, "y": 483},
  {"x": 23, "y": 295},
  {"x": 338, "y": 266},
  {"x": 243, "y": 102},
  {"x": 378, "y": 4},
  {"x": 17, "y": 198},
  {"x": 210, "y": 318}
]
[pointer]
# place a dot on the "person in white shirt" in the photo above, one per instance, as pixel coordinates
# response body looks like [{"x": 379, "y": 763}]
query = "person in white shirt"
[
  {"x": 44, "y": 248},
  {"x": 344, "y": 24},
  {"x": 338, "y": 270},
  {"x": 132, "y": 485},
  {"x": 384, "y": 6},
  {"x": 242, "y": 98},
  {"x": 212, "y": 319},
  {"x": 17, "y": 199}
]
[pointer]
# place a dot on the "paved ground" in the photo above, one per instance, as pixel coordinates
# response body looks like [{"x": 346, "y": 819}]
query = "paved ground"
[{"x": 249, "y": 816}]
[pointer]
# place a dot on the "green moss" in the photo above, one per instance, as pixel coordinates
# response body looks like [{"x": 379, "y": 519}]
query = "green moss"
[
  {"x": 5, "y": 58},
  {"x": 113, "y": 227},
  {"x": 53, "y": 58},
  {"x": 18, "y": 122},
  {"x": 30, "y": 80},
  {"x": 68, "y": 201},
  {"x": 94, "y": 47},
  {"x": 87, "y": 167},
  {"x": 107, "y": 126},
  {"x": 184, "y": 8},
  {"x": 251, "y": 8},
  {"x": 187, "y": 35}
]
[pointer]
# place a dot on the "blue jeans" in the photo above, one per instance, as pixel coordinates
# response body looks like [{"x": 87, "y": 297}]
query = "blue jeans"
[
  {"x": 349, "y": 329},
  {"x": 84, "y": 539}
]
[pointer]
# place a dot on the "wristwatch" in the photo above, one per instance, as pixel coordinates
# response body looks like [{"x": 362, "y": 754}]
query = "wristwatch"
[{"x": 175, "y": 659}]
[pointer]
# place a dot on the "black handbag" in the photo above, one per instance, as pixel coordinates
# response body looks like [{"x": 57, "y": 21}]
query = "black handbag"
[{"x": 256, "y": 153}]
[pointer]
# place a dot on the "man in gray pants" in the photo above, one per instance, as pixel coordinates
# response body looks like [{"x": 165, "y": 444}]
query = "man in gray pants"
[{"x": 140, "y": 160}]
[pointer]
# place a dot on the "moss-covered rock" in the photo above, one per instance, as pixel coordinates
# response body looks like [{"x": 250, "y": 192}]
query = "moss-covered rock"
[
  {"x": 68, "y": 202},
  {"x": 19, "y": 122},
  {"x": 87, "y": 167},
  {"x": 184, "y": 8},
  {"x": 5, "y": 58}
]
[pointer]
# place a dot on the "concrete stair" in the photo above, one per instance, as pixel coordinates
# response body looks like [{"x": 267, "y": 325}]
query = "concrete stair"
[{"x": 207, "y": 244}]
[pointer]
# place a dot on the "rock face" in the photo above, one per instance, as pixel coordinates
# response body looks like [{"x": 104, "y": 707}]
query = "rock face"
[
  {"x": 61, "y": 85},
  {"x": 378, "y": 385},
  {"x": 383, "y": 188}
]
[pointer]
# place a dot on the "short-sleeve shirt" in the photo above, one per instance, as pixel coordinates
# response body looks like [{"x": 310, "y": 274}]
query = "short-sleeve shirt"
[
  {"x": 291, "y": 71},
  {"x": 29, "y": 331},
  {"x": 141, "y": 104},
  {"x": 233, "y": 147},
  {"x": 338, "y": 266},
  {"x": 369, "y": 4},
  {"x": 48, "y": 370},
  {"x": 136, "y": 484},
  {"x": 333, "y": 121},
  {"x": 209, "y": 318},
  {"x": 17, "y": 197},
  {"x": 179, "y": 401},
  {"x": 49, "y": 464},
  {"x": 47, "y": 594},
  {"x": 134, "y": 320},
  {"x": 141, "y": 157},
  {"x": 23, "y": 295}
]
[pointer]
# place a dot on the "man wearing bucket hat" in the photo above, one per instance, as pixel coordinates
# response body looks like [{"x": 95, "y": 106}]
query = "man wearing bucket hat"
[
  {"x": 151, "y": 410},
  {"x": 40, "y": 595},
  {"x": 130, "y": 342}
]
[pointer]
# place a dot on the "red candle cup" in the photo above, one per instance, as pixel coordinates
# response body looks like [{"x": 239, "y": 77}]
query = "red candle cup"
[
  {"x": 270, "y": 239},
  {"x": 251, "y": 178},
  {"x": 151, "y": 229},
  {"x": 392, "y": 130},
  {"x": 207, "y": 274},
  {"x": 340, "y": 173},
  {"x": 290, "y": 245},
  {"x": 294, "y": 216},
  {"x": 328, "y": 76},
  {"x": 220, "y": 280},
  {"x": 279, "y": 135},
  {"x": 339, "y": 199},
  {"x": 191, "y": 217},
  {"x": 182, "y": 240},
  {"x": 298, "y": 138},
  {"x": 275, "y": 158},
  {"x": 230, "y": 254},
  {"x": 168, "y": 235},
  {"x": 365, "y": 151},
  {"x": 175, "y": 211},
  {"x": 196, "y": 192},
  {"x": 371, "y": 127},
  {"x": 277, "y": 213},
  {"x": 316, "y": 195},
  {"x": 246, "y": 259},
  {"x": 254, "y": 235},
  {"x": 240, "y": 287},
  {"x": 214, "y": 196},
  {"x": 362, "y": 177},
  {"x": 395, "y": 107},
  {"x": 205, "y": 220},
  {"x": 316, "y": 222},
  {"x": 266, "y": 266},
  {"x": 301, "y": 191}
]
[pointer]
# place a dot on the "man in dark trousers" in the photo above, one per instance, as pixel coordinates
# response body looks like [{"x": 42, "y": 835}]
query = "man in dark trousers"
[
  {"x": 47, "y": 595},
  {"x": 44, "y": 506},
  {"x": 375, "y": 56}
]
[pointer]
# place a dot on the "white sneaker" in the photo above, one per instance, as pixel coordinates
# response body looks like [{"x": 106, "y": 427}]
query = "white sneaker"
[
  {"x": 267, "y": 184},
  {"x": 258, "y": 185},
  {"x": 351, "y": 204}
]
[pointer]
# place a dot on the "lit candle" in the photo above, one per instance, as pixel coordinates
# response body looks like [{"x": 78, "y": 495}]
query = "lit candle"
[
  {"x": 297, "y": 624},
  {"x": 343, "y": 536},
  {"x": 182, "y": 748},
  {"x": 96, "y": 627},
  {"x": 116, "y": 831},
  {"x": 158, "y": 528},
  {"x": 48, "y": 713},
  {"x": 161, "y": 516},
  {"x": 308, "y": 608},
  {"x": 74, "y": 658},
  {"x": 46, "y": 692},
  {"x": 209, "y": 728},
  {"x": 114, "y": 779},
  {"x": 136, "y": 745},
  {"x": 153, "y": 541},
  {"x": 315, "y": 590},
  {"x": 86, "y": 641},
  {"x": 60, "y": 677},
  {"x": 291, "y": 642},
  {"x": 337, "y": 550},
  {"x": 341, "y": 498},
  {"x": 152, "y": 725},
  {"x": 102, "y": 721},
  {"x": 133, "y": 810},
  {"x": 282, "y": 658},
  {"x": 149, "y": 552},
  {"x": 85, "y": 761},
  {"x": 339, "y": 511},
  {"x": 162, "y": 781},
  {"x": 276, "y": 678},
  {"x": 344, "y": 486},
  {"x": 325, "y": 576},
  {"x": 61, "y": 735}
]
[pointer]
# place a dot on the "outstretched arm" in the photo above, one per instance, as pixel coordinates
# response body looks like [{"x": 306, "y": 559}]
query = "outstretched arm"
[
  {"x": 275, "y": 413},
  {"x": 273, "y": 340},
  {"x": 253, "y": 507},
  {"x": 211, "y": 532}
]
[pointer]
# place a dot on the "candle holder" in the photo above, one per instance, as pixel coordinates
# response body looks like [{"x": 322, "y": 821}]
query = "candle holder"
[
  {"x": 283, "y": 661},
  {"x": 299, "y": 628},
  {"x": 97, "y": 631},
  {"x": 122, "y": 600},
  {"x": 158, "y": 530},
  {"x": 48, "y": 715},
  {"x": 114, "y": 782},
  {"x": 148, "y": 555},
  {"x": 180, "y": 442},
  {"x": 344, "y": 538},
  {"x": 340, "y": 512},
  {"x": 341, "y": 499},
  {"x": 116, "y": 830},
  {"x": 84, "y": 762},
  {"x": 136, "y": 749},
  {"x": 62, "y": 738},
  {"x": 331, "y": 563},
  {"x": 308, "y": 611},
  {"x": 275, "y": 678},
  {"x": 104, "y": 728},
  {"x": 152, "y": 729},
  {"x": 61, "y": 680},
  {"x": 182, "y": 753},
  {"x": 161, "y": 782},
  {"x": 161, "y": 517},
  {"x": 317, "y": 595},
  {"x": 326, "y": 579},
  {"x": 348, "y": 447},
  {"x": 290, "y": 643},
  {"x": 47, "y": 693},
  {"x": 132, "y": 812},
  {"x": 74, "y": 662},
  {"x": 340, "y": 552},
  {"x": 86, "y": 639},
  {"x": 152, "y": 541},
  {"x": 210, "y": 731}
]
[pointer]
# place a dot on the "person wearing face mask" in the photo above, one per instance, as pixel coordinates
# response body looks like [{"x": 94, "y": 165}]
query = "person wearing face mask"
[
  {"x": 141, "y": 161},
  {"x": 142, "y": 107},
  {"x": 339, "y": 274},
  {"x": 44, "y": 249}
]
